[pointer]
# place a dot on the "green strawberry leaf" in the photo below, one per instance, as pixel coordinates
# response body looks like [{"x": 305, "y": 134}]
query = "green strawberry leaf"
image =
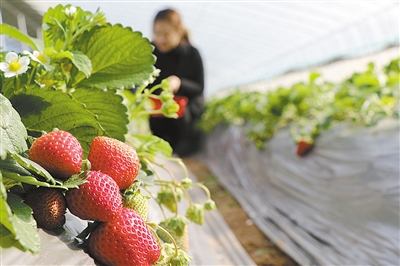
[
  {"x": 12, "y": 132},
  {"x": 15, "y": 33},
  {"x": 82, "y": 62},
  {"x": 7, "y": 86},
  {"x": 108, "y": 109},
  {"x": 86, "y": 113},
  {"x": 5, "y": 210},
  {"x": 55, "y": 55},
  {"x": 195, "y": 213},
  {"x": 30, "y": 180},
  {"x": 34, "y": 167},
  {"x": 115, "y": 66},
  {"x": 24, "y": 225},
  {"x": 11, "y": 165}
]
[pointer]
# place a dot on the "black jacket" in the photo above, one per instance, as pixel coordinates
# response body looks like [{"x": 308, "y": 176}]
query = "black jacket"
[{"x": 185, "y": 62}]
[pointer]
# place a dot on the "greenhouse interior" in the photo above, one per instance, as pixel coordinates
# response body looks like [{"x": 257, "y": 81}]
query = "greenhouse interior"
[{"x": 200, "y": 133}]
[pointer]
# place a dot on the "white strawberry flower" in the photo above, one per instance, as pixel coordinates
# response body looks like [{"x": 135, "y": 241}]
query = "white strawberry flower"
[
  {"x": 70, "y": 11},
  {"x": 41, "y": 58},
  {"x": 14, "y": 65}
]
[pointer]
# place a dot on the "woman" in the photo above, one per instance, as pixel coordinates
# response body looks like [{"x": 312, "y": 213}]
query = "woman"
[{"x": 181, "y": 63}]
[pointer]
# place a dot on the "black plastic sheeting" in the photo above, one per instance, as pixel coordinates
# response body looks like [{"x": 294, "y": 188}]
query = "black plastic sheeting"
[
  {"x": 210, "y": 244},
  {"x": 338, "y": 205}
]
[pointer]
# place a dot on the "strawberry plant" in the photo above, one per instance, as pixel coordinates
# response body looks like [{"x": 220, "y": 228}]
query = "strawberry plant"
[
  {"x": 83, "y": 93},
  {"x": 308, "y": 108}
]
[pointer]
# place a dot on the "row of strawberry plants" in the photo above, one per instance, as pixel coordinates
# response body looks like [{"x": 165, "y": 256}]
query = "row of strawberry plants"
[
  {"x": 308, "y": 108},
  {"x": 78, "y": 82}
]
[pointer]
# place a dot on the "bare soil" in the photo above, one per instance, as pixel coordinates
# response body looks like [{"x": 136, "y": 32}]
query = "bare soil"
[{"x": 258, "y": 246}]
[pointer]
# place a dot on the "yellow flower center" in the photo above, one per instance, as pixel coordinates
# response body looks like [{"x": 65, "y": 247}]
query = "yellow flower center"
[
  {"x": 14, "y": 66},
  {"x": 42, "y": 58}
]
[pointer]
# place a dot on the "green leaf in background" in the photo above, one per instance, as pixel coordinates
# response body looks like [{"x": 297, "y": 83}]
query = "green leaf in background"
[
  {"x": 86, "y": 113},
  {"x": 149, "y": 144},
  {"x": 366, "y": 79},
  {"x": 56, "y": 26},
  {"x": 53, "y": 34},
  {"x": 24, "y": 225},
  {"x": 119, "y": 56},
  {"x": 15, "y": 33},
  {"x": 12, "y": 132},
  {"x": 309, "y": 108}
]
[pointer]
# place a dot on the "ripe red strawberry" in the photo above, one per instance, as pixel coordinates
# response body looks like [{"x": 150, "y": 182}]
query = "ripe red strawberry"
[
  {"x": 59, "y": 152},
  {"x": 115, "y": 158},
  {"x": 303, "y": 148},
  {"x": 127, "y": 240},
  {"x": 48, "y": 206},
  {"x": 97, "y": 199}
]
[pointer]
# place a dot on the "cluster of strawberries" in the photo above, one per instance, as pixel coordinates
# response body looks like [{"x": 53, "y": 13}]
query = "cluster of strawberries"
[{"x": 122, "y": 236}]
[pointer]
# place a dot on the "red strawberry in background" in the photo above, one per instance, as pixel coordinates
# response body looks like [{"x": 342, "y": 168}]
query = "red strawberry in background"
[
  {"x": 127, "y": 240},
  {"x": 97, "y": 199},
  {"x": 303, "y": 148},
  {"x": 114, "y": 158},
  {"x": 59, "y": 152}
]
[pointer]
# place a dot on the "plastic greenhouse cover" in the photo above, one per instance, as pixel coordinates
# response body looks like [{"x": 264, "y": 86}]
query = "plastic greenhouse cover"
[
  {"x": 337, "y": 205},
  {"x": 210, "y": 244}
]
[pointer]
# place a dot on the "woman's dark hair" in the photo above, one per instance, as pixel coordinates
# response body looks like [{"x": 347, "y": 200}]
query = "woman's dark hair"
[{"x": 173, "y": 18}]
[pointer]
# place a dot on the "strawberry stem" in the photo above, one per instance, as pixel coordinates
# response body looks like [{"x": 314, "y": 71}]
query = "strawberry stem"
[
  {"x": 187, "y": 195},
  {"x": 151, "y": 225},
  {"x": 171, "y": 174},
  {"x": 206, "y": 190},
  {"x": 180, "y": 162},
  {"x": 175, "y": 184},
  {"x": 154, "y": 198},
  {"x": 151, "y": 166},
  {"x": 170, "y": 236}
]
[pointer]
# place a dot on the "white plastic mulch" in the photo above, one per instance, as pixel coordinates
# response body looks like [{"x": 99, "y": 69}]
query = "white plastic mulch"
[{"x": 339, "y": 205}]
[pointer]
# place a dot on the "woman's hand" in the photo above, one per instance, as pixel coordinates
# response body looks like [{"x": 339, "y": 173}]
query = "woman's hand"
[{"x": 174, "y": 83}]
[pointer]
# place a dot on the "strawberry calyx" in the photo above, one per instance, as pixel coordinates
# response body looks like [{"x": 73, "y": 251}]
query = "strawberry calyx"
[
  {"x": 170, "y": 257},
  {"x": 76, "y": 180},
  {"x": 195, "y": 213},
  {"x": 134, "y": 199},
  {"x": 171, "y": 254}
]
